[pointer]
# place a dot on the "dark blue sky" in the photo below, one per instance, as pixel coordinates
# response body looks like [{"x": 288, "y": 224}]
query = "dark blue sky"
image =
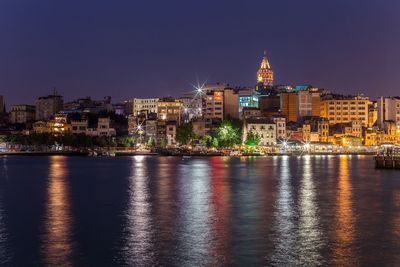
[{"x": 155, "y": 48}]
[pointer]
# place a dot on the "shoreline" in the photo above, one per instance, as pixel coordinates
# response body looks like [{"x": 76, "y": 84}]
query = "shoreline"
[{"x": 122, "y": 154}]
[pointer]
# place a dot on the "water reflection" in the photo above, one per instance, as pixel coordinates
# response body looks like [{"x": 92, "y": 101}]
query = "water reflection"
[
  {"x": 138, "y": 248},
  {"x": 194, "y": 213},
  {"x": 3, "y": 235},
  {"x": 309, "y": 226},
  {"x": 285, "y": 237},
  {"x": 343, "y": 249},
  {"x": 221, "y": 212},
  {"x": 57, "y": 239}
]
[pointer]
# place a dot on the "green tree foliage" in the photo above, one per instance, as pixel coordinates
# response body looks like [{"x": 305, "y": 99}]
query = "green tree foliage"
[
  {"x": 228, "y": 133},
  {"x": 184, "y": 133},
  {"x": 209, "y": 141},
  {"x": 253, "y": 139}
]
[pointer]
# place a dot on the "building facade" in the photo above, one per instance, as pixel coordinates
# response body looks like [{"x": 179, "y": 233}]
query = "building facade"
[
  {"x": 48, "y": 106},
  {"x": 170, "y": 109},
  {"x": 388, "y": 110},
  {"x": 22, "y": 113},
  {"x": 345, "y": 109},
  {"x": 265, "y": 128},
  {"x": 144, "y": 105}
]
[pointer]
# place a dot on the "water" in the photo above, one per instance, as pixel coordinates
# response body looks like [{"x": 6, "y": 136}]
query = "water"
[{"x": 146, "y": 211}]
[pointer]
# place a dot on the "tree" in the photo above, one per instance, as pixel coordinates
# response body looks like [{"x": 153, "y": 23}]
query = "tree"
[
  {"x": 209, "y": 141},
  {"x": 184, "y": 133},
  {"x": 228, "y": 133},
  {"x": 253, "y": 139}
]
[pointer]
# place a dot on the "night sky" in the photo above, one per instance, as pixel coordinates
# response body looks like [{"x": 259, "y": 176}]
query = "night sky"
[{"x": 158, "y": 48}]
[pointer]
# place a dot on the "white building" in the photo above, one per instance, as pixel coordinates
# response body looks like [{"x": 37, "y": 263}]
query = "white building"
[
  {"x": 265, "y": 128},
  {"x": 79, "y": 126},
  {"x": 103, "y": 128},
  {"x": 144, "y": 105},
  {"x": 280, "y": 122},
  {"x": 388, "y": 110},
  {"x": 22, "y": 113}
]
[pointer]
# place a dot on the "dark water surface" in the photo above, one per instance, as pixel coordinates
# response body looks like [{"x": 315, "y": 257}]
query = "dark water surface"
[{"x": 146, "y": 211}]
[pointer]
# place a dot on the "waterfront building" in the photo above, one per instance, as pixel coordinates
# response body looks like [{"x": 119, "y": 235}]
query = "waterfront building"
[
  {"x": 151, "y": 129},
  {"x": 388, "y": 109},
  {"x": 161, "y": 136},
  {"x": 315, "y": 129},
  {"x": 171, "y": 133},
  {"x": 280, "y": 122},
  {"x": 213, "y": 105},
  {"x": 144, "y": 105},
  {"x": 343, "y": 109},
  {"x": 59, "y": 124},
  {"x": 79, "y": 126},
  {"x": 40, "y": 127},
  {"x": 22, "y": 114},
  {"x": 372, "y": 113},
  {"x": 87, "y": 105},
  {"x": 265, "y": 75},
  {"x": 170, "y": 109},
  {"x": 264, "y": 127},
  {"x": 192, "y": 106},
  {"x": 104, "y": 127},
  {"x": 132, "y": 124},
  {"x": 48, "y": 106}
]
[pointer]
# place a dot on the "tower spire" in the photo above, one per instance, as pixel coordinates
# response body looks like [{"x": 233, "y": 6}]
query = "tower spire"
[{"x": 265, "y": 75}]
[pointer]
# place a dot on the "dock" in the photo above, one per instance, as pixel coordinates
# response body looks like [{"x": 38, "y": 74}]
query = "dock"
[{"x": 389, "y": 158}]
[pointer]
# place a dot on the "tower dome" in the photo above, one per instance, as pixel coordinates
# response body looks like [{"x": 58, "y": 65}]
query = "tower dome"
[{"x": 265, "y": 75}]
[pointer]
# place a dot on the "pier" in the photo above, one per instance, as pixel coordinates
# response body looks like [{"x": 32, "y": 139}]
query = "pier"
[{"x": 388, "y": 158}]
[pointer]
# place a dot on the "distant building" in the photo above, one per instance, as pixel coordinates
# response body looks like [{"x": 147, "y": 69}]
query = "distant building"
[
  {"x": 87, "y": 105},
  {"x": 144, "y": 105},
  {"x": 22, "y": 114},
  {"x": 388, "y": 110},
  {"x": 301, "y": 103},
  {"x": 265, "y": 75},
  {"x": 48, "y": 106},
  {"x": 170, "y": 109},
  {"x": 288, "y": 103},
  {"x": 231, "y": 103},
  {"x": 104, "y": 128},
  {"x": 79, "y": 126},
  {"x": 59, "y": 125},
  {"x": 192, "y": 106},
  {"x": 250, "y": 112},
  {"x": 171, "y": 133},
  {"x": 280, "y": 122},
  {"x": 343, "y": 109},
  {"x": 213, "y": 105}
]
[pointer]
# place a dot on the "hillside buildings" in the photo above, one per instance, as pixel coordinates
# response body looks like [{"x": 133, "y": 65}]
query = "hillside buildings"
[
  {"x": 344, "y": 109},
  {"x": 48, "y": 106},
  {"x": 22, "y": 114},
  {"x": 144, "y": 105}
]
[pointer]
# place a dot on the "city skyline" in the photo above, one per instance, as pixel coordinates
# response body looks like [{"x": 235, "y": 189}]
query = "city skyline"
[{"x": 129, "y": 50}]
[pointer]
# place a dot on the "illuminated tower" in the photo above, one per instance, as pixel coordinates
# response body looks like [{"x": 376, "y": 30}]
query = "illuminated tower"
[{"x": 265, "y": 75}]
